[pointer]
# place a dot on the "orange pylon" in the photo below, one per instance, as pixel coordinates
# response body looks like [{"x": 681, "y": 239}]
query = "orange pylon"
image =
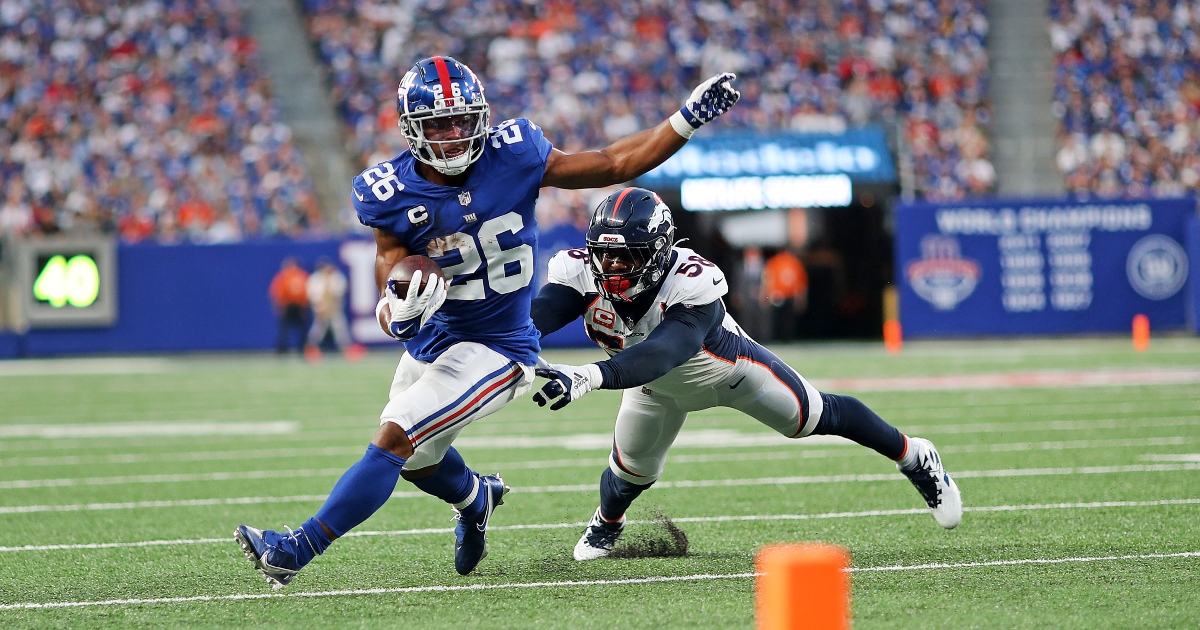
[
  {"x": 1141, "y": 332},
  {"x": 804, "y": 586},
  {"x": 893, "y": 339}
]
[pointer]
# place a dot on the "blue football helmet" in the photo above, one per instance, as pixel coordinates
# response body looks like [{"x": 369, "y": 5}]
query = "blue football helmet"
[
  {"x": 635, "y": 227},
  {"x": 441, "y": 109}
]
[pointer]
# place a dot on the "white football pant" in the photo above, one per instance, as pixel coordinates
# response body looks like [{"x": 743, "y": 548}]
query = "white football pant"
[
  {"x": 432, "y": 402},
  {"x": 648, "y": 423}
]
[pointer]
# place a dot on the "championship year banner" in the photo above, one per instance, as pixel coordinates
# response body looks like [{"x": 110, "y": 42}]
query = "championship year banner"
[{"x": 1012, "y": 267}]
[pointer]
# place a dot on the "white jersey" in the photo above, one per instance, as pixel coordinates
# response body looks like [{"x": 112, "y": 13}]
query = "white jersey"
[{"x": 692, "y": 281}]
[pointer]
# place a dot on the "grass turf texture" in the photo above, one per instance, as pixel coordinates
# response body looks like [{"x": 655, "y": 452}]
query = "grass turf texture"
[{"x": 335, "y": 406}]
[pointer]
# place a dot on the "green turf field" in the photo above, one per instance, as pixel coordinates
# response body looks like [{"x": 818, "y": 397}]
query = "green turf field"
[{"x": 121, "y": 481}]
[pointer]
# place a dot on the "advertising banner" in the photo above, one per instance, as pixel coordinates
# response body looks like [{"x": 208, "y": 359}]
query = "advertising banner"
[
  {"x": 1011, "y": 267},
  {"x": 755, "y": 171}
]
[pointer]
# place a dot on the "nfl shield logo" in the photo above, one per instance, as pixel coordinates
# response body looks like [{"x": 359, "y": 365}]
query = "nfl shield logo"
[{"x": 464, "y": 198}]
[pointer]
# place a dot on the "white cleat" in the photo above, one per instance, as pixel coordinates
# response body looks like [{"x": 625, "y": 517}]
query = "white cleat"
[
  {"x": 935, "y": 485},
  {"x": 599, "y": 537}
]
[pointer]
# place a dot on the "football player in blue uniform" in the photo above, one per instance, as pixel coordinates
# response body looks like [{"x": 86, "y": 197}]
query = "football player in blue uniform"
[
  {"x": 656, "y": 309},
  {"x": 463, "y": 195}
]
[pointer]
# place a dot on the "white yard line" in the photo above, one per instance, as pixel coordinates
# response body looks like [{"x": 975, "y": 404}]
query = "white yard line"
[
  {"x": 196, "y": 456},
  {"x": 1173, "y": 457},
  {"x": 146, "y": 429},
  {"x": 572, "y": 583},
  {"x": 1012, "y": 380},
  {"x": 72, "y": 367},
  {"x": 1008, "y": 563},
  {"x": 685, "y": 519},
  {"x": 18, "y": 484},
  {"x": 1055, "y": 425},
  {"x": 798, "y": 449},
  {"x": 26, "y": 484},
  {"x": 591, "y": 487}
]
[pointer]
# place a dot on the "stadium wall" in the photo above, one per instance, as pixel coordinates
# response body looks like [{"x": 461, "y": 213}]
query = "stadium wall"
[{"x": 196, "y": 298}]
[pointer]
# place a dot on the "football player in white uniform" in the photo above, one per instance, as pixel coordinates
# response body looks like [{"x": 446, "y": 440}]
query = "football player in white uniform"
[{"x": 656, "y": 309}]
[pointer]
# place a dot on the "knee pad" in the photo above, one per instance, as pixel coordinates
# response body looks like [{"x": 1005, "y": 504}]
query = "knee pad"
[{"x": 622, "y": 469}]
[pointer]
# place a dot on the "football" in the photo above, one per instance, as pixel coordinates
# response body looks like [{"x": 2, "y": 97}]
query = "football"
[{"x": 401, "y": 274}]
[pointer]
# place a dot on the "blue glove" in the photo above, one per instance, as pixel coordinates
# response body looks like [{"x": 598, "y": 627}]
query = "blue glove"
[
  {"x": 709, "y": 100},
  {"x": 567, "y": 383}
]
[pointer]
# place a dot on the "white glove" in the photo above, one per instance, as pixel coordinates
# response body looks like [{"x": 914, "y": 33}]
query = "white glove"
[
  {"x": 411, "y": 312},
  {"x": 568, "y": 381},
  {"x": 709, "y": 100}
]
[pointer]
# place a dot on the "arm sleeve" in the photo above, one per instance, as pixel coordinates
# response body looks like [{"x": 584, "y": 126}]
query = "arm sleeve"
[
  {"x": 669, "y": 345},
  {"x": 556, "y": 306}
]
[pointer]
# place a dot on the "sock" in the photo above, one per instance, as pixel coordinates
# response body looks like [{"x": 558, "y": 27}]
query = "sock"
[
  {"x": 616, "y": 495},
  {"x": 311, "y": 541},
  {"x": 848, "y": 417},
  {"x": 453, "y": 482},
  {"x": 362, "y": 490},
  {"x": 909, "y": 460}
]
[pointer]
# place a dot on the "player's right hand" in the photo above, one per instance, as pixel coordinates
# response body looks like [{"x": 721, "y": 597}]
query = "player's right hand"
[
  {"x": 410, "y": 312},
  {"x": 567, "y": 383},
  {"x": 709, "y": 100}
]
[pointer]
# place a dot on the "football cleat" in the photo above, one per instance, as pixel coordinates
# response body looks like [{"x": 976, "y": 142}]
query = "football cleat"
[
  {"x": 935, "y": 485},
  {"x": 271, "y": 553},
  {"x": 470, "y": 545},
  {"x": 599, "y": 537}
]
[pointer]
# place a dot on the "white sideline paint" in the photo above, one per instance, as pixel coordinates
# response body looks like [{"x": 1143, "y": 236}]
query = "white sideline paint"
[
  {"x": 591, "y": 487},
  {"x": 576, "y": 583},
  {"x": 685, "y": 519},
  {"x": 146, "y": 429},
  {"x": 1011, "y": 380}
]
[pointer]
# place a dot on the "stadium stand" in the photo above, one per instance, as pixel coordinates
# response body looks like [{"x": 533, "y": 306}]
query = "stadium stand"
[
  {"x": 148, "y": 119},
  {"x": 1127, "y": 91},
  {"x": 593, "y": 71}
]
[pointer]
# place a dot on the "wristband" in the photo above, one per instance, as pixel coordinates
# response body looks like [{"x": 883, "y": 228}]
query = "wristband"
[{"x": 681, "y": 126}]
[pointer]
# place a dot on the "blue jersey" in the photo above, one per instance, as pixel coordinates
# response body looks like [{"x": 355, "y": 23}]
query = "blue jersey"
[{"x": 484, "y": 236}]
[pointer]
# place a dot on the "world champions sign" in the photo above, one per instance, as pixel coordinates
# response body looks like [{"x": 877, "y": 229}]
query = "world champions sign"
[{"x": 1041, "y": 267}]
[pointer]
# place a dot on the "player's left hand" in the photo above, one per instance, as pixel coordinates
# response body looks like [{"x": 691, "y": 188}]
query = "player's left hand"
[
  {"x": 567, "y": 383},
  {"x": 710, "y": 99}
]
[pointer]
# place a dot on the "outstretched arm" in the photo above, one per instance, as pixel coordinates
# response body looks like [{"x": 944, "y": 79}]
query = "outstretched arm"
[
  {"x": 634, "y": 155},
  {"x": 679, "y": 337},
  {"x": 556, "y": 306}
]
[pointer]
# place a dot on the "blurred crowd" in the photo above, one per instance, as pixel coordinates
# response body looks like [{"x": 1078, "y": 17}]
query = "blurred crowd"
[
  {"x": 146, "y": 118},
  {"x": 593, "y": 71},
  {"x": 1127, "y": 95}
]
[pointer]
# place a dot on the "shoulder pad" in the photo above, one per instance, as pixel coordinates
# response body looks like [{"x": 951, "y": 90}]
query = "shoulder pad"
[
  {"x": 693, "y": 280},
  {"x": 569, "y": 268},
  {"x": 521, "y": 136},
  {"x": 375, "y": 193}
]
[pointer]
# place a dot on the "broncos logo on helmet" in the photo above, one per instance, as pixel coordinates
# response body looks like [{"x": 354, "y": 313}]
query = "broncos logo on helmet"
[
  {"x": 629, "y": 243},
  {"x": 443, "y": 114}
]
